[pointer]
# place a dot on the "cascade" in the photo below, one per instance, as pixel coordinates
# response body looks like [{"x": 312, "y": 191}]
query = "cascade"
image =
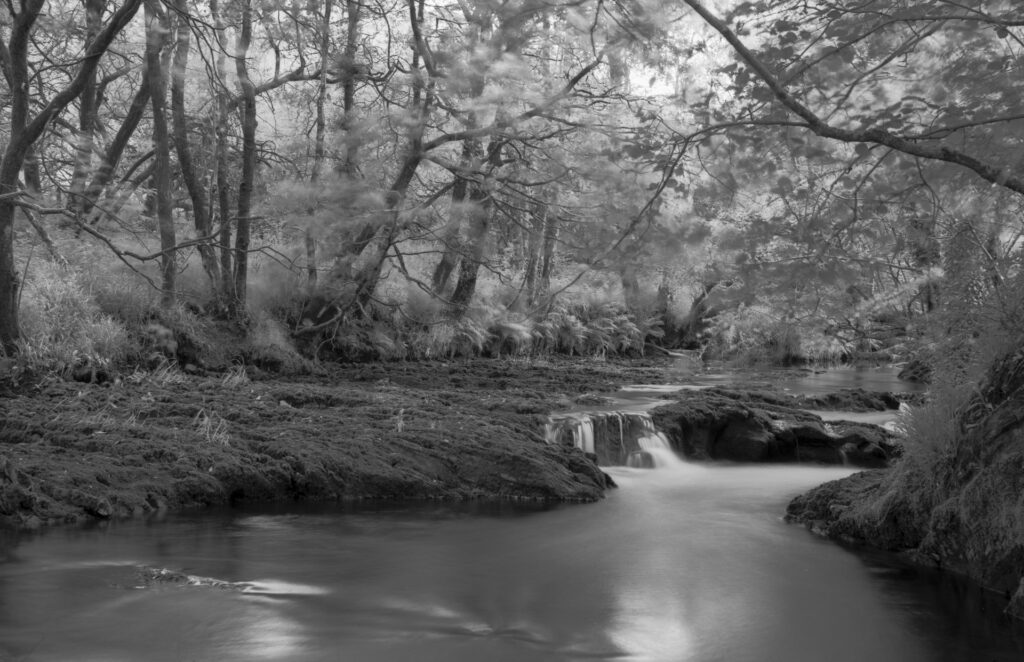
[
  {"x": 655, "y": 452},
  {"x": 615, "y": 437}
]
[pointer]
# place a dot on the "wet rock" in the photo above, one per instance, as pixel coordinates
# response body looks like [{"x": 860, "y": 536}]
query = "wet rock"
[
  {"x": 745, "y": 438},
  {"x": 856, "y": 399},
  {"x": 751, "y": 426}
]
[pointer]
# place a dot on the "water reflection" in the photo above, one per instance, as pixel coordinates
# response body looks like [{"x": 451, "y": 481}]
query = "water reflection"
[
  {"x": 802, "y": 381},
  {"x": 688, "y": 564}
]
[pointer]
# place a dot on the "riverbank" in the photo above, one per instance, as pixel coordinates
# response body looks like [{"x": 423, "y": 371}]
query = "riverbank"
[
  {"x": 163, "y": 440},
  {"x": 957, "y": 505}
]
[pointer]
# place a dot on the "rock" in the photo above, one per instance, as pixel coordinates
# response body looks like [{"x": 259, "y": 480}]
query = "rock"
[
  {"x": 750, "y": 426},
  {"x": 856, "y": 399},
  {"x": 746, "y": 439}
]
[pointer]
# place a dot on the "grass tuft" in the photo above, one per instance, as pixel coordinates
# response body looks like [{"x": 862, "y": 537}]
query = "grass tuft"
[{"x": 212, "y": 428}]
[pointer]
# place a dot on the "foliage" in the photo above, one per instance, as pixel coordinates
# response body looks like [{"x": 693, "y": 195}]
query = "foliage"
[
  {"x": 932, "y": 429},
  {"x": 508, "y": 181},
  {"x": 758, "y": 335},
  {"x": 64, "y": 327}
]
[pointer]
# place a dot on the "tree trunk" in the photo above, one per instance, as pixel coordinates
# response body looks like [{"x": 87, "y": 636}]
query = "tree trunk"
[
  {"x": 33, "y": 176},
  {"x": 87, "y": 103},
  {"x": 450, "y": 238},
  {"x": 222, "y": 166},
  {"x": 318, "y": 146},
  {"x": 156, "y": 30},
  {"x": 534, "y": 244},
  {"x": 462, "y": 222},
  {"x": 245, "y": 185},
  {"x": 547, "y": 260},
  {"x": 105, "y": 173},
  {"x": 196, "y": 189},
  {"x": 8, "y": 277},
  {"x": 469, "y": 265},
  {"x": 354, "y": 275},
  {"x": 348, "y": 87},
  {"x": 371, "y": 259}
]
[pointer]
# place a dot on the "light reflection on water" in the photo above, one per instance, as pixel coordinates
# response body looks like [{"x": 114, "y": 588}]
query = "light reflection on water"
[{"x": 692, "y": 564}]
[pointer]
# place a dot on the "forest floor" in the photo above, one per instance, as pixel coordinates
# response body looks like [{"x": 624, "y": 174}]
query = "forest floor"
[{"x": 425, "y": 430}]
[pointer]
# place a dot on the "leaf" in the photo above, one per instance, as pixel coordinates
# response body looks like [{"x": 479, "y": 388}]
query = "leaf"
[{"x": 742, "y": 78}]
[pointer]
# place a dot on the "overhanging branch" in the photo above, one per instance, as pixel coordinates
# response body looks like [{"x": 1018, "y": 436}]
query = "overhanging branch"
[{"x": 991, "y": 173}]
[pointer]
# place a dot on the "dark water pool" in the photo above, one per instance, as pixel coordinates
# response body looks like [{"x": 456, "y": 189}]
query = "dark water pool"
[{"x": 685, "y": 564}]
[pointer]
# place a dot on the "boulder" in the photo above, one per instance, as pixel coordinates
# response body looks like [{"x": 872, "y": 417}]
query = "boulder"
[{"x": 750, "y": 426}]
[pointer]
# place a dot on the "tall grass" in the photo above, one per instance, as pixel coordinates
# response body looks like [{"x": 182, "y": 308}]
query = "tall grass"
[{"x": 62, "y": 326}]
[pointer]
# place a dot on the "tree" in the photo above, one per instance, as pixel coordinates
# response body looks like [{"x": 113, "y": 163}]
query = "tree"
[
  {"x": 855, "y": 50},
  {"x": 157, "y": 29},
  {"x": 26, "y": 127}
]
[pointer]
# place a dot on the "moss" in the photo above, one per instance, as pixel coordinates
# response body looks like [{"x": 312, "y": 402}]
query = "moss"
[
  {"x": 70, "y": 452},
  {"x": 957, "y": 503}
]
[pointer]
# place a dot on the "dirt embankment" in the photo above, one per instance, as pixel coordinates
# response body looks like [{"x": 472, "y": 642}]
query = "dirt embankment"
[{"x": 427, "y": 430}]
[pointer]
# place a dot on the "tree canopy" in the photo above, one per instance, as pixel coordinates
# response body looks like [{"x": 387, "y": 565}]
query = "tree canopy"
[{"x": 706, "y": 174}]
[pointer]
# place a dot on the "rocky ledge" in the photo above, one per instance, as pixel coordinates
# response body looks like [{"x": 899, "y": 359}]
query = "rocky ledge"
[{"x": 754, "y": 426}]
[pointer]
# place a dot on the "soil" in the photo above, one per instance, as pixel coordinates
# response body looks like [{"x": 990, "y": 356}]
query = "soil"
[{"x": 149, "y": 442}]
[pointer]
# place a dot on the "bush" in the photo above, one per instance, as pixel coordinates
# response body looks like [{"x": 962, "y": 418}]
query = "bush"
[
  {"x": 63, "y": 328},
  {"x": 269, "y": 346}
]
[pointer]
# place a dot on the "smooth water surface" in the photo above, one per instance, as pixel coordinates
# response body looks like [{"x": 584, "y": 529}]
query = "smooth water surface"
[
  {"x": 691, "y": 563},
  {"x": 794, "y": 381}
]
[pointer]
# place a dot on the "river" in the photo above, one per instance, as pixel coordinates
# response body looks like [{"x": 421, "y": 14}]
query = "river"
[{"x": 689, "y": 563}]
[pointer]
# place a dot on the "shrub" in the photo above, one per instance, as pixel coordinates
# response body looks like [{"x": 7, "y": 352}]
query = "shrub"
[
  {"x": 269, "y": 346},
  {"x": 932, "y": 429},
  {"x": 62, "y": 327}
]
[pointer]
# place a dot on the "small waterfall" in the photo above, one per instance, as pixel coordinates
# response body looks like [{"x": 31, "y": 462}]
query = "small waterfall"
[
  {"x": 615, "y": 437},
  {"x": 655, "y": 452},
  {"x": 583, "y": 435}
]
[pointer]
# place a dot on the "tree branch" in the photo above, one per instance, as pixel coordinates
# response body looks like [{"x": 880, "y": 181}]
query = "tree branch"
[{"x": 991, "y": 173}]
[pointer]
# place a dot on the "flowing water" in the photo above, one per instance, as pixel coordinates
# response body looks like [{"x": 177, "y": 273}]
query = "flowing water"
[
  {"x": 684, "y": 563},
  {"x": 680, "y": 563}
]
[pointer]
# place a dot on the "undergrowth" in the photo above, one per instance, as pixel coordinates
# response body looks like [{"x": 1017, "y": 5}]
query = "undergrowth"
[
  {"x": 575, "y": 329},
  {"x": 63, "y": 328},
  {"x": 757, "y": 335}
]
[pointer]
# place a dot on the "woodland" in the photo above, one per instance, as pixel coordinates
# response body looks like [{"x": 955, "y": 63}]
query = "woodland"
[
  {"x": 284, "y": 238},
  {"x": 768, "y": 181}
]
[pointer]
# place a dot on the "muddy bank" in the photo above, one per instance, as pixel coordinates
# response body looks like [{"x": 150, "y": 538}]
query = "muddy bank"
[
  {"x": 958, "y": 507},
  {"x": 431, "y": 430}
]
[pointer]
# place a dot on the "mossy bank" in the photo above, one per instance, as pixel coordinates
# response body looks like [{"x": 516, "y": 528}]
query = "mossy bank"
[
  {"x": 426, "y": 430},
  {"x": 956, "y": 503}
]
